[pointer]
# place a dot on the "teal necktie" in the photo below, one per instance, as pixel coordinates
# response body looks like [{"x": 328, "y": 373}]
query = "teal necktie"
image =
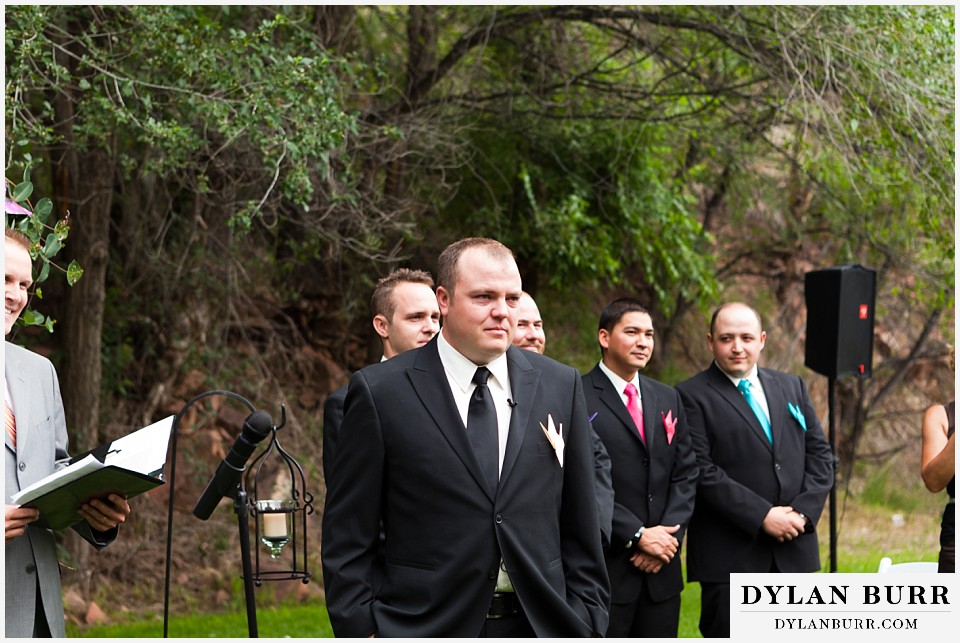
[{"x": 744, "y": 387}]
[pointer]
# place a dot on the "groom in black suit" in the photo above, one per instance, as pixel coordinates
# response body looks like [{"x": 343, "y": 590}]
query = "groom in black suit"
[
  {"x": 765, "y": 467},
  {"x": 654, "y": 475},
  {"x": 482, "y": 477}
]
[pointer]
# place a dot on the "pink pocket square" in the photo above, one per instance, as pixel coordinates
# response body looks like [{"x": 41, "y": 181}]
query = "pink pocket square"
[{"x": 669, "y": 425}]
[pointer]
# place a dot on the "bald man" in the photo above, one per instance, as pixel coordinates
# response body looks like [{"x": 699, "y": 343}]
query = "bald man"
[
  {"x": 530, "y": 335},
  {"x": 765, "y": 466}
]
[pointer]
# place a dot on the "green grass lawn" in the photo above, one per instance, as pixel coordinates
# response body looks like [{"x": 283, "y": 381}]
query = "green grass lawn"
[
  {"x": 300, "y": 621},
  {"x": 866, "y": 536},
  {"x": 311, "y": 620}
]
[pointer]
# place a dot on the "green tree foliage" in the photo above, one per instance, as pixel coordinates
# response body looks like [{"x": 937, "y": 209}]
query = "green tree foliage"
[
  {"x": 200, "y": 93},
  {"x": 237, "y": 177},
  {"x": 675, "y": 152}
]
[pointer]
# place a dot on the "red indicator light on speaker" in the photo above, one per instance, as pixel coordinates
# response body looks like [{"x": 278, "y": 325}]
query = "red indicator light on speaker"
[{"x": 863, "y": 314}]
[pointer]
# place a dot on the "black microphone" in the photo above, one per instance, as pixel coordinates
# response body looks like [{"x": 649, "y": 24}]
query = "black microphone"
[
  {"x": 256, "y": 427},
  {"x": 511, "y": 403}
]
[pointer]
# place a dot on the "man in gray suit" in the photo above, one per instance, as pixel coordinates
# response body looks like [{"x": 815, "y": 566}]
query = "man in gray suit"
[{"x": 36, "y": 444}]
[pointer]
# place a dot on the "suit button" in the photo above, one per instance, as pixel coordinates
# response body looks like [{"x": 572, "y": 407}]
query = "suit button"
[
  {"x": 650, "y": 498},
  {"x": 499, "y": 519},
  {"x": 31, "y": 568},
  {"x": 777, "y": 466},
  {"x": 22, "y": 466},
  {"x": 646, "y": 462},
  {"x": 492, "y": 575}
]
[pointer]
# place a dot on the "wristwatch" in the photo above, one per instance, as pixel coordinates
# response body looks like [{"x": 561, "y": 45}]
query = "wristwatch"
[{"x": 636, "y": 538}]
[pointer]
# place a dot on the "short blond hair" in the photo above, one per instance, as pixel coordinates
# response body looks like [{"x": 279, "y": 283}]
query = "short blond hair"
[
  {"x": 447, "y": 269},
  {"x": 382, "y": 301},
  {"x": 19, "y": 238}
]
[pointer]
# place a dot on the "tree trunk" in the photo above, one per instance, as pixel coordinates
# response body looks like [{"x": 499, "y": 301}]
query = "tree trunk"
[
  {"x": 82, "y": 187},
  {"x": 90, "y": 241}
]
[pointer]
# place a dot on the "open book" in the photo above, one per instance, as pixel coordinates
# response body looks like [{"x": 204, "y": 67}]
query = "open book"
[{"x": 127, "y": 466}]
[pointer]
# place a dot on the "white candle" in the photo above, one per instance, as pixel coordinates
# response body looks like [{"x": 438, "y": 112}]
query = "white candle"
[{"x": 275, "y": 525}]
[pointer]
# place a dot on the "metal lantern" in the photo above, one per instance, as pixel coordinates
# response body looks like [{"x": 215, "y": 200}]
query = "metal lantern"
[{"x": 280, "y": 510}]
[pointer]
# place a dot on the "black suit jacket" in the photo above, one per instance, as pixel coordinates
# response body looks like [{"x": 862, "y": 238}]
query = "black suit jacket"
[
  {"x": 653, "y": 484},
  {"x": 742, "y": 476},
  {"x": 332, "y": 419},
  {"x": 604, "y": 482},
  {"x": 406, "y": 458}
]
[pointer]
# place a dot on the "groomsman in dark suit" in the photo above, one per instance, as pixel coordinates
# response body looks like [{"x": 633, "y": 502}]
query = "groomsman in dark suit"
[
  {"x": 765, "y": 466},
  {"x": 405, "y": 316},
  {"x": 641, "y": 422},
  {"x": 531, "y": 337},
  {"x": 476, "y": 456}
]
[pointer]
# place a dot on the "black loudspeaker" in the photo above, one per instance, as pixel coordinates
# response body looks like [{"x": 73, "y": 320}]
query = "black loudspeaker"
[{"x": 840, "y": 306}]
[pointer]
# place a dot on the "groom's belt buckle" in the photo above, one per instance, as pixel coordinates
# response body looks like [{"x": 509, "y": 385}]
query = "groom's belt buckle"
[{"x": 504, "y": 604}]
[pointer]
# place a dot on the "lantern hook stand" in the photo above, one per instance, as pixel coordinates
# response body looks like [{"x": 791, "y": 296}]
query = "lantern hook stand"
[{"x": 240, "y": 506}]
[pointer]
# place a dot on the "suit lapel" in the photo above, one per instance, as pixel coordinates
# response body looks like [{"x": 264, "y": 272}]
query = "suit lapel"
[
  {"x": 21, "y": 393},
  {"x": 524, "y": 382},
  {"x": 429, "y": 380},
  {"x": 611, "y": 397},
  {"x": 651, "y": 419},
  {"x": 722, "y": 384},
  {"x": 776, "y": 404}
]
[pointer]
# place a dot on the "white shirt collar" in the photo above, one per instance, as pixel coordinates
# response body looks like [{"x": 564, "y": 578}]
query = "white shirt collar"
[
  {"x": 751, "y": 377},
  {"x": 461, "y": 370},
  {"x": 619, "y": 383}
]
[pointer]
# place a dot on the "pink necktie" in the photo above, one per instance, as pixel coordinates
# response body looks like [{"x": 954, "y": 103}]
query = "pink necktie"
[
  {"x": 10, "y": 422},
  {"x": 633, "y": 407}
]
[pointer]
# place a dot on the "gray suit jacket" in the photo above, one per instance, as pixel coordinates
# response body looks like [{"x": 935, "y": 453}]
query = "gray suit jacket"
[{"x": 41, "y": 448}]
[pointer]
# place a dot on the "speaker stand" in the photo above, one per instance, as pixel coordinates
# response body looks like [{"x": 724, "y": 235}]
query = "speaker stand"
[{"x": 831, "y": 421}]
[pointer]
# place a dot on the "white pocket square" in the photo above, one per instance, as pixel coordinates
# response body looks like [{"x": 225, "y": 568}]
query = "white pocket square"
[{"x": 555, "y": 436}]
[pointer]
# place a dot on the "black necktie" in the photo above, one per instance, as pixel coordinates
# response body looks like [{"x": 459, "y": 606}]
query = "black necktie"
[{"x": 482, "y": 428}]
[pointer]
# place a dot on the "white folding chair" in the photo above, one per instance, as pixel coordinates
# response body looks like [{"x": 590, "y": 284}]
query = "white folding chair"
[{"x": 887, "y": 566}]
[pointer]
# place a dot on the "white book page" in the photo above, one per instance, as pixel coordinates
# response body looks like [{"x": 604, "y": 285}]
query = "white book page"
[
  {"x": 143, "y": 451},
  {"x": 68, "y": 474}
]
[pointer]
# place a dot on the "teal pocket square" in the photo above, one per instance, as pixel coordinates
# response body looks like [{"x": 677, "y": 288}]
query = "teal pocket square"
[{"x": 798, "y": 414}]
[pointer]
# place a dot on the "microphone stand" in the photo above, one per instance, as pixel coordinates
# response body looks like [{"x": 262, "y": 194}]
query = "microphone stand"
[
  {"x": 243, "y": 531},
  {"x": 243, "y": 514}
]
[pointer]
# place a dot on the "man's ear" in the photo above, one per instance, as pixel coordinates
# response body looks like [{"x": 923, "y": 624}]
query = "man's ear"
[
  {"x": 381, "y": 325},
  {"x": 443, "y": 300},
  {"x": 603, "y": 336}
]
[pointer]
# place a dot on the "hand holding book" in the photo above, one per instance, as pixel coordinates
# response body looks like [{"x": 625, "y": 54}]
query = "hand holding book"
[
  {"x": 103, "y": 514},
  {"x": 82, "y": 490}
]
